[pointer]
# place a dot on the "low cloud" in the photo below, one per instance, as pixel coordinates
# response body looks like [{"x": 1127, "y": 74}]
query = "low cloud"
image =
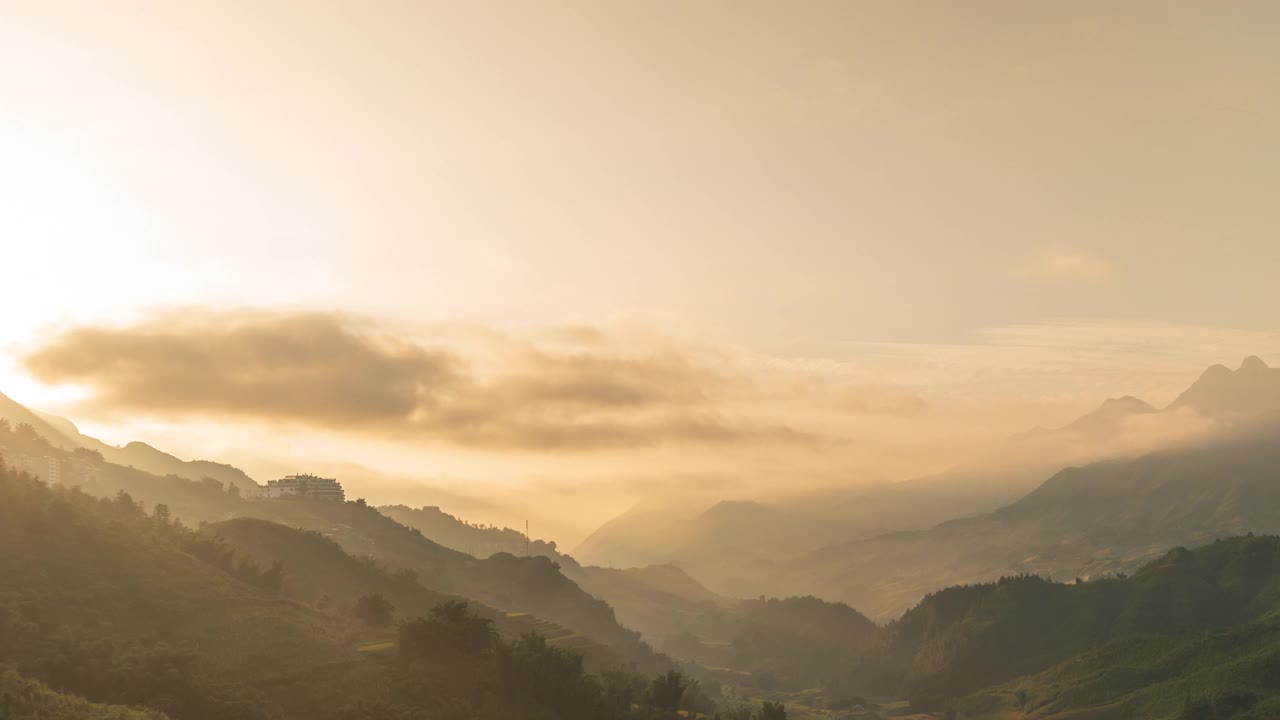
[
  {"x": 882, "y": 400},
  {"x": 1066, "y": 266},
  {"x": 334, "y": 371}
]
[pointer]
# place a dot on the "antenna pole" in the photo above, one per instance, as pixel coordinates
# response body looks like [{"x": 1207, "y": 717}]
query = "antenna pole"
[{"x": 526, "y": 538}]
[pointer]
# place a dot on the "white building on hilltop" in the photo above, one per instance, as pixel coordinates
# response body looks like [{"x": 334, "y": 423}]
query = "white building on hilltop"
[{"x": 302, "y": 486}]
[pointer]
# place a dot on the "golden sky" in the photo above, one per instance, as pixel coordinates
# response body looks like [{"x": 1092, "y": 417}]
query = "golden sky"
[{"x": 813, "y": 238}]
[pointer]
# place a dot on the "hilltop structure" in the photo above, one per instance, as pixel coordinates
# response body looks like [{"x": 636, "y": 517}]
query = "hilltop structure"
[
  {"x": 303, "y": 486},
  {"x": 47, "y": 468}
]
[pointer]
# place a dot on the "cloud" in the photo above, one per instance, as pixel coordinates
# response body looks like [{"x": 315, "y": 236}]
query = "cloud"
[
  {"x": 1064, "y": 265},
  {"x": 329, "y": 370},
  {"x": 882, "y": 400}
]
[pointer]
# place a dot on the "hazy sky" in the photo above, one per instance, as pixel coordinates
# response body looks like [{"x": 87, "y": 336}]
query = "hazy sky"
[{"x": 1006, "y": 210}]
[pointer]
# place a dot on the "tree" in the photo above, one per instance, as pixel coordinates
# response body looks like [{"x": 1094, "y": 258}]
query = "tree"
[
  {"x": 161, "y": 513},
  {"x": 374, "y": 610},
  {"x": 451, "y": 626},
  {"x": 667, "y": 690},
  {"x": 233, "y": 490},
  {"x": 772, "y": 711},
  {"x": 88, "y": 455}
]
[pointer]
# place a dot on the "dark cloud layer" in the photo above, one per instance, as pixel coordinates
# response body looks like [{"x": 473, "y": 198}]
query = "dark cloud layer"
[{"x": 332, "y": 371}]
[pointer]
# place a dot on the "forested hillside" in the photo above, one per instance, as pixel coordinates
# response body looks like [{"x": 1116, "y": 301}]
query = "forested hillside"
[
  {"x": 530, "y": 585},
  {"x": 271, "y": 609},
  {"x": 473, "y": 539},
  {"x": 533, "y": 585},
  {"x": 964, "y": 638},
  {"x": 103, "y": 600},
  {"x": 106, "y": 601}
]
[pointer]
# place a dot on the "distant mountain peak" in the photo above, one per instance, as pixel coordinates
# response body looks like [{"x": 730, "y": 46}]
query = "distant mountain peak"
[
  {"x": 1253, "y": 388},
  {"x": 1111, "y": 412},
  {"x": 1215, "y": 370},
  {"x": 1253, "y": 363},
  {"x": 1128, "y": 403}
]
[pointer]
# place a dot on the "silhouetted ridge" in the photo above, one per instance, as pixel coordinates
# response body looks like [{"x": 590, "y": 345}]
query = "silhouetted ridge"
[
  {"x": 1111, "y": 412},
  {"x": 1253, "y": 363},
  {"x": 1252, "y": 389}
]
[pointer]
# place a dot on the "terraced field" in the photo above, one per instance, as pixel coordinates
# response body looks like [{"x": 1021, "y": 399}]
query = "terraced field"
[{"x": 524, "y": 623}]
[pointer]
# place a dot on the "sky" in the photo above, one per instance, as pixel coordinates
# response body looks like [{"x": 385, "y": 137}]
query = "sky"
[{"x": 603, "y": 247}]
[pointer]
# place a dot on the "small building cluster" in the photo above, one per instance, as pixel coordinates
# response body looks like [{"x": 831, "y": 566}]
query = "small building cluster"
[
  {"x": 301, "y": 486},
  {"x": 45, "y": 467}
]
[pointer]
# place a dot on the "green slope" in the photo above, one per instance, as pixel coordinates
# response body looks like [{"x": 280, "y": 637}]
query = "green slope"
[
  {"x": 533, "y": 585},
  {"x": 1225, "y": 675},
  {"x": 98, "y": 599},
  {"x": 476, "y": 540},
  {"x": 320, "y": 573},
  {"x": 24, "y": 699},
  {"x": 522, "y": 585},
  {"x": 964, "y": 638}
]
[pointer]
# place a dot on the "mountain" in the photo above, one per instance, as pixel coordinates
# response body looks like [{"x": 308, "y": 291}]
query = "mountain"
[
  {"x": 1251, "y": 389},
  {"x": 477, "y": 540},
  {"x": 101, "y": 600},
  {"x": 156, "y": 462},
  {"x": 63, "y": 434},
  {"x": 1086, "y": 521},
  {"x": 320, "y": 573},
  {"x": 17, "y": 414},
  {"x": 1139, "y": 642},
  {"x": 1111, "y": 415},
  {"x": 1224, "y": 675},
  {"x": 745, "y": 549},
  {"x": 734, "y": 545},
  {"x": 643, "y": 535},
  {"x": 533, "y": 585},
  {"x": 1120, "y": 427}
]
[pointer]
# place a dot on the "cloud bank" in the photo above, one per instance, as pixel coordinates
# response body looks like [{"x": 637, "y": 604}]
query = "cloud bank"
[{"x": 334, "y": 371}]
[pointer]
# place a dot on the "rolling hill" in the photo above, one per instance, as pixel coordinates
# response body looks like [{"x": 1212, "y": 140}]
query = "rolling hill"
[
  {"x": 64, "y": 435},
  {"x": 965, "y": 638},
  {"x": 101, "y": 600},
  {"x": 533, "y": 586}
]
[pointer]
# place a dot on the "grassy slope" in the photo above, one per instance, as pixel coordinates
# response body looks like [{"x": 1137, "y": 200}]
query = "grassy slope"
[
  {"x": 319, "y": 572},
  {"x": 97, "y": 600},
  {"x": 517, "y": 585},
  {"x": 25, "y": 699},
  {"x": 964, "y": 638},
  {"x": 1237, "y": 671},
  {"x": 476, "y": 540},
  {"x": 531, "y": 585}
]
